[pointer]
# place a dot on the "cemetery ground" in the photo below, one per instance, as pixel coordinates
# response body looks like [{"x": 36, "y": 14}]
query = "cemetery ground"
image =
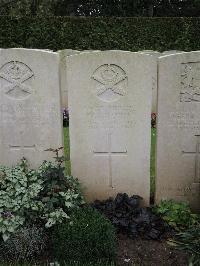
[{"x": 141, "y": 251}]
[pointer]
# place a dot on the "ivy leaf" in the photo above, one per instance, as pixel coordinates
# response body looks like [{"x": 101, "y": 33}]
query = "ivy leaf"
[{"x": 5, "y": 237}]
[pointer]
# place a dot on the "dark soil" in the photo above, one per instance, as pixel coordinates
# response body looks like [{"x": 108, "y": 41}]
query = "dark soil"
[{"x": 136, "y": 252}]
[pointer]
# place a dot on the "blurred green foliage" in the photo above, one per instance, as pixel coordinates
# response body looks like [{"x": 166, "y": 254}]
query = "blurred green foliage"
[
  {"x": 120, "y": 8},
  {"x": 89, "y": 237},
  {"x": 177, "y": 214},
  {"x": 132, "y": 34}
]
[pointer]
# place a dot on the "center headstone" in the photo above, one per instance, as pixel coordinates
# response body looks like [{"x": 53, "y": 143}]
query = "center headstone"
[
  {"x": 30, "y": 111},
  {"x": 110, "y": 107},
  {"x": 178, "y": 133}
]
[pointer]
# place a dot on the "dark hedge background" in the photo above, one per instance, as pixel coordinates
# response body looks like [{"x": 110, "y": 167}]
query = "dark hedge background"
[{"x": 132, "y": 34}]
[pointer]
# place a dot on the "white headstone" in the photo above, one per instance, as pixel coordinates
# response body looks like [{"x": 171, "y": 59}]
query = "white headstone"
[
  {"x": 178, "y": 133},
  {"x": 156, "y": 55},
  {"x": 171, "y": 52},
  {"x": 110, "y": 128},
  {"x": 30, "y": 111},
  {"x": 63, "y": 79},
  {"x": 151, "y": 52}
]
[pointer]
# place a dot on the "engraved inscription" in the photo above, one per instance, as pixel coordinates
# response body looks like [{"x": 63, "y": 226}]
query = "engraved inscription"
[
  {"x": 16, "y": 74},
  {"x": 190, "y": 82},
  {"x": 110, "y": 116},
  {"x": 27, "y": 114},
  {"x": 188, "y": 120},
  {"x": 109, "y": 153},
  {"x": 112, "y": 82},
  {"x": 181, "y": 190}
]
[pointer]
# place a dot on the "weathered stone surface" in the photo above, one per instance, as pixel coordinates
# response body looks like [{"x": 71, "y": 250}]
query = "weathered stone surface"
[
  {"x": 63, "y": 78},
  {"x": 171, "y": 52},
  {"x": 156, "y": 55},
  {"x": 151, "y": 52},
  {"x": 30, "y": 111},
  {"x": 110, "y": 106},
  {"x": 178, "y": 141}
]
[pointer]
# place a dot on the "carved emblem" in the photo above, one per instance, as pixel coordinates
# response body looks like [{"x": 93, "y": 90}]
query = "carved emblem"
[
  {"x": 16, "y": 73},
  {"x": 112, "y": 82},
  {"x": 190, "y": 83}
]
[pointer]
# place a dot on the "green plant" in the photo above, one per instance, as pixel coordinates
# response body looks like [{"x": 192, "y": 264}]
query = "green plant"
[
  {"x": 89, "y": 237},
  {"x": 98, "y": 263},
  {"x": 62, "y": 263},
  {"x": 189, "y": 241},
  {"x": 152, "y": 162},
  {"x": 130, "y": 34},
  {"x": 25, "y": 244},
  {"x": 67, "y": 150},
  {"x": 19, "y": 187},
  {"x": 60, "y": 193},
  {"x": 28, "y": 195},
  {"x": 177, "y": 214}
]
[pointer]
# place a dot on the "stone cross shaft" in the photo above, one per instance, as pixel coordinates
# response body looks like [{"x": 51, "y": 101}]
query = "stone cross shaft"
[
  {"x": 197, "y": 157},
  {"x": 109, "y": 153}
]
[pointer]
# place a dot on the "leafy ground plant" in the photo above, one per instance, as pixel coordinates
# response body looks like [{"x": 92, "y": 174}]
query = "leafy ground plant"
[
  {"x": 189, "y": 241},
  {"x": 60, "y": 193},
  {"x": 127, "y": 215},
  {"x": 177, "y": 214},
  {"x": 19, "y": 188},
  {"x": 25, "y": 244},
  {"x": 45, "y": 194}
]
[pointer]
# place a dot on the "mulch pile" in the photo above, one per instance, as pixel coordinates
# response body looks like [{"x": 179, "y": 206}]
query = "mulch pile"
[{"x": 126, "y": 214}]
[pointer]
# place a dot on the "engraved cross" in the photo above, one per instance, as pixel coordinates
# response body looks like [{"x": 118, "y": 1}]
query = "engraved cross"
[
  {"x": 23, "y": 147},
  {"x": 109, "y": 153},
  {"x": 197, "y": 155}
]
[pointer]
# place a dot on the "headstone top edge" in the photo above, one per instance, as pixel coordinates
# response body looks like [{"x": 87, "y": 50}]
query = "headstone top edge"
[
  {"x": 178, "y": 54},
  {"x": 93, "y": 53},
  {"x": 29, "y": 50}
]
